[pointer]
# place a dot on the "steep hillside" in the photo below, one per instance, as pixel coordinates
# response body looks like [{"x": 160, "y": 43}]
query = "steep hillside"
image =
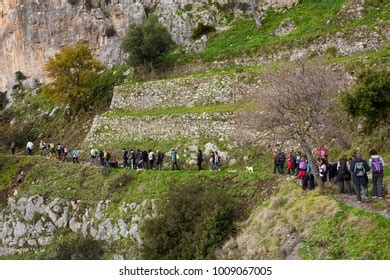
[{"x": 55, "y": 210}]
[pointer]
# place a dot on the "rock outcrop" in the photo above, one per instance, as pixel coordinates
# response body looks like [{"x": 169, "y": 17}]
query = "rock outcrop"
[
  {"x": 31, "y": 31},
  {"x": 28, "y": 223}
]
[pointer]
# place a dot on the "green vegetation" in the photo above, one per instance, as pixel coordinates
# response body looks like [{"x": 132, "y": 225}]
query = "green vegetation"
[
  {"x": 216, "y": 108},
  {"x": 312, "y": 18},
  {"x": 73, "y": 70},
  {"x": 351, "y": 234},
  {"x": 192, "y": 223},
  {"x": 310, "y": 225},
  {"x": 147, "y": 42},
  {"x": 202, "y": 29},
  {"x": 369, "y": 100}
]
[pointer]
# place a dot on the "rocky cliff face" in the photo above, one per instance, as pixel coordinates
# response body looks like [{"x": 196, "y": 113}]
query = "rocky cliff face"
[{"x": 31, "y": 31}]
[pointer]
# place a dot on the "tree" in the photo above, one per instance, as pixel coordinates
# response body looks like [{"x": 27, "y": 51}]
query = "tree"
[
  {"x": 296, "y": 104},
  {"x": 146, "y": 43},
  {"x": 255, "y": 4},
  {"x": 369, "y": 99},
  {"x": 73, "y": 70}
]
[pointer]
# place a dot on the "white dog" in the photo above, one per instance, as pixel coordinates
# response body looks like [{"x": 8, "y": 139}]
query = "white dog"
[{"x": 249, "y": 169}]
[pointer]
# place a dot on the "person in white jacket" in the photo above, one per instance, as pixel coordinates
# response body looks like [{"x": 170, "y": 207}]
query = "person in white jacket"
[
  {"x": 377, "y": 165},
  {"x": 29, "y": 147}
]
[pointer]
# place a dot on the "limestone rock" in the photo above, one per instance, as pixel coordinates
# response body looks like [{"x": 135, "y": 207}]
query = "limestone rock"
[{"x": 20, "y": 229}]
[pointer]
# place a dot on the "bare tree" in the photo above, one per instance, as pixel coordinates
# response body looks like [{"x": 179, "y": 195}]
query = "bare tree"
[
  {"x": 296, "y": 104},
  {"x": 254, "y": 5}
]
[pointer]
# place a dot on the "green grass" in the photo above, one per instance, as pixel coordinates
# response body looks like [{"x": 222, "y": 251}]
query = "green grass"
[
  {"x": 310, "y": 18},
  {"x": 352, "y": 234},
  {"x": 212, "y": 108}
]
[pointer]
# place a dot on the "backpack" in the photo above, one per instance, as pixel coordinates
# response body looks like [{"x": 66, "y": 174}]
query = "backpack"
[
  {"x": 359, "y": 169},
  {"x": 377, "y": 166},
  {"x": 302, "y": 165},
  {"x": 343, "y": 167}
]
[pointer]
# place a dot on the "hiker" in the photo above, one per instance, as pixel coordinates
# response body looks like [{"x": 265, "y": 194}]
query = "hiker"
[
  {"x": 105, "y": 158},
  {"x": 377, "y": 165},
  {"x": 217, "y": 161},
  {"x": 140, "y": 162},
  {"x": 297, "y": 160},
  {"x": 29, "y": 148},
  {"x": 13, "y": 147},
  {"x": 152, "y": 159},
  {"x": 75, "y": 155},
  {"x": 301, "y": 171},
  {"x": 160, "y": 160},
  {"x": 344, "y": 175},
  {"x": 332, "y": 171},
  {"x": 59, "y": 148},
  {"x": 322, "y": 169},
  {"x": 281, "y": 160},
  {"x": 174, "y": 158},
  {"x": 101, "y": 157},
  {"x": 125, "y": 156},
  {"x": 65, "y": 154},
  {"x": 359, "y": 169},
  {"x": 199, "y": 159},
  {"x": 94, "y": 154},
  {"x": 212, "y": 160},
  {"x": 290, "y": 164},
  {"x": 133, "y": 158},
  {"x": 108, "y": 157},
  {"x": 51, "y": 149},
  {"x": 275, "y": 157},
  {"x": 322, "y": 152},
  {"x": 42, "y": 147},
  {"x": 308, "y": 181},
  {"x": 145, "y": 159}
]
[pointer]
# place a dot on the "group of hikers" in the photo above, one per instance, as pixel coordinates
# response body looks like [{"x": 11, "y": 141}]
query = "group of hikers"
[
  {"x": 135, "y": 159},
  {"x": 149, "y": 159},
  {"x": 342, "y": 172}
]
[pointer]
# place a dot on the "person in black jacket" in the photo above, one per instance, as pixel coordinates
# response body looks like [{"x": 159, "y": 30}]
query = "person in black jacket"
[
  {"x": 160, "y": 160},
  {"x": 200, "y": 159},
  {"x": 359, "y": 169}
]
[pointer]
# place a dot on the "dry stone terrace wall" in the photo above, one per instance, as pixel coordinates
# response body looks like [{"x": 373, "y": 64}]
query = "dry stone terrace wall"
[
  {"x": 107, "y": 130},
  {"x": 28, "y": 223},
  {"x": 185, "y": 92}
]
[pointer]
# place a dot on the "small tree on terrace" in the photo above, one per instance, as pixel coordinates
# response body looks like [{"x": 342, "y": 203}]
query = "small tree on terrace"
[
  {"x": 297, "y": 104},
  {"x": 73, "y": 70},
  {"x": 147, "y": 42}
]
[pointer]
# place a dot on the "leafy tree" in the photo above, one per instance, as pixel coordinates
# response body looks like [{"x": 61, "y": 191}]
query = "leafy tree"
[
  {"x": 369, "y": 99},
  {"x": 73, "y": 71},
  {"x": 147, "y": 42}
]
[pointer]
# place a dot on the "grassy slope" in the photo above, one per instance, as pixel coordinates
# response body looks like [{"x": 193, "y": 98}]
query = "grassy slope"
[
  {"x": 310, "y": 225},
  {"x": 310, "y": 18}
]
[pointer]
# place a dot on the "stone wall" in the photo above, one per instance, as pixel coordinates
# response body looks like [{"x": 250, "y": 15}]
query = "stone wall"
[
  {"x": 28, "y": 223},
  {"x": 106, "y": 130},
  {"x": 186, "y": 92}
]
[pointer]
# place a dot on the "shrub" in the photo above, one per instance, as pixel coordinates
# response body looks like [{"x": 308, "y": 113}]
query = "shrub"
[
  {"x": 369, "y": 99},
  {"x": 192, "y": 223},
  {"x": 331, "y": 52},
  {"x": 202, "y": 29},
  {"x": 79, "y": 248},
  {"x": 147, "y": 42}
]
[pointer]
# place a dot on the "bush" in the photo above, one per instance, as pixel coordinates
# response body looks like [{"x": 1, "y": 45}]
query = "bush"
[
  {"x": 192, "y": 223},
  {"x": 79, "y": 248},
  {"x": 369, "y": 99},
  {"x": 202, "y": 29}
]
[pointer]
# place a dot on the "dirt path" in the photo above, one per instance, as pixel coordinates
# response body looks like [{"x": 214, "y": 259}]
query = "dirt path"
[{"x": 375, "y": 205}]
